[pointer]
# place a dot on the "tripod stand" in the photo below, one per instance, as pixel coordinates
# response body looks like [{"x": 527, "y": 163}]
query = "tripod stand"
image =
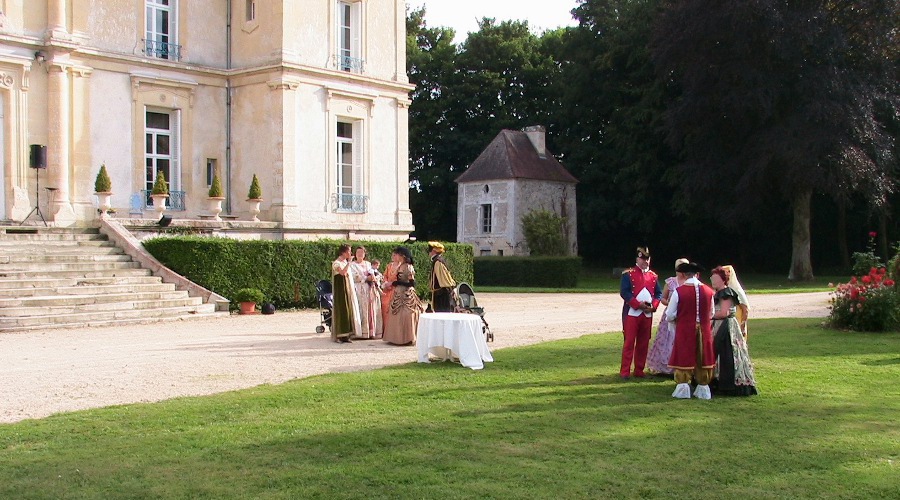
[{"x": 37, "y": 199}]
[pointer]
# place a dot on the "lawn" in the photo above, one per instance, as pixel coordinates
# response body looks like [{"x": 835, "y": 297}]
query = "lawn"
[
  {"x": 593, "y": 280},
  {"x": 545, "y": 421}
]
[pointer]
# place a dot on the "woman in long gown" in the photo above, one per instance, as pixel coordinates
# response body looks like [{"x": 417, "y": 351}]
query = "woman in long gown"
[
  {"x": 363, "y": 277},
  {"x": 400, "y": 327},
  {"x": 387, "y": 290},
  {"x": 733, "y": 375},
  {"x": 344, "y": 312},
  {"x": 661, "y": 351}
]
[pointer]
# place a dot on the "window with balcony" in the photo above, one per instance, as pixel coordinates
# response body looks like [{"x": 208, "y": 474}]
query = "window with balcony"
[
  {"x": 349, "y": 37},
  {"x": 348, "y": 193},
  {"x": 161, "y": 155},
  {"x": 161, "y": 34}
]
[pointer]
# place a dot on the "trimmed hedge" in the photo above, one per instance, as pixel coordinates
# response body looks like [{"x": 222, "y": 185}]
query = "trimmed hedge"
[
  {"x": 285, "y": 271},
  {"x": 550, "y": 272}
]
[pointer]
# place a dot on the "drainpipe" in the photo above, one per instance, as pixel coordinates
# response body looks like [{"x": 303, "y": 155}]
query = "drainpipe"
[{"x": 228, "y": 107}]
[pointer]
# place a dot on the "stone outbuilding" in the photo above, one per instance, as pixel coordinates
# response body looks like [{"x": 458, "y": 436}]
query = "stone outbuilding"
[{"x": 514, "y": 175}]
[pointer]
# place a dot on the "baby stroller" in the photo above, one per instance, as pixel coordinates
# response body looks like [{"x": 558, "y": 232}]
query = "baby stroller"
[
  {"x": 326, "y": 304},
  {"x": 466, "y": 302}
]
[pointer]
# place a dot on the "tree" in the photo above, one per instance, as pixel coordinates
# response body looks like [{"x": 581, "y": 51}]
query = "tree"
[
  {"x": 780, "y": 100},
  {"x": 498, "y": 78},
  {"x": 544, "y": 233}
]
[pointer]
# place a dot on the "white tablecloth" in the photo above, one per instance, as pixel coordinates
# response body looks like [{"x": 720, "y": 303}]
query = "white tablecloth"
[{"x": 453, "y": 334}]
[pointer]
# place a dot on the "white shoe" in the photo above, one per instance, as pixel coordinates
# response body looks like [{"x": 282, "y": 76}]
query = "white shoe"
[
  {"x": 702, "y": 392},
  {"x": 682, "y": 391}
]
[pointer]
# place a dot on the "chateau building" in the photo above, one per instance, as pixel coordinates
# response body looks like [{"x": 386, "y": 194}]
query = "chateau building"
[
  {"x": 309, "y": 95},
  {"x": 514, "y": 175}
]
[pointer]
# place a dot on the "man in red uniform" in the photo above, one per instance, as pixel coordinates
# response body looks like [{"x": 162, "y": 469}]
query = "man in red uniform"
[
  {"x": 691, "y": 308},
  {"x": 641, "y": 292}
]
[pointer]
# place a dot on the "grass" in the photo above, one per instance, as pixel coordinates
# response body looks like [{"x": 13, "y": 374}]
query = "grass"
[
  {"x": 594, "y": 280},
  {"x": 545, "y": 421}
]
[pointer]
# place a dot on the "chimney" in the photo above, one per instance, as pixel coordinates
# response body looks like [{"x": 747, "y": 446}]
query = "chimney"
[{"x": 536, "y": 135}]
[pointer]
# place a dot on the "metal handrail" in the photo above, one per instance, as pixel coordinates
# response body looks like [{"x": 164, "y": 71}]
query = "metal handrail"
[
  {"x": 349, "y": 203},
  {"x": 351, "y": 64},
  {"x": 174, "y": 202},
  {"x": 162, "y": 50}
]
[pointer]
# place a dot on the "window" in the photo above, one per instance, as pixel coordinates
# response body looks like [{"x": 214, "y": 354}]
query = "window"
[
  {"x": 210, "y": 170},
  {"x": 348, "y": 37},
  {"x": 161, "y": 32},
  {"x": 161, "y": 149},
  {"x": 251, "y": 10},
  {"x": 485, "y": 252},
  {"x": 349, "y": 168},
  {"x": 486, "y": 214}
]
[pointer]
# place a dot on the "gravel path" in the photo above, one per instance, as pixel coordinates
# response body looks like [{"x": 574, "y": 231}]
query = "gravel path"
[{"x": 52, "y": 371}]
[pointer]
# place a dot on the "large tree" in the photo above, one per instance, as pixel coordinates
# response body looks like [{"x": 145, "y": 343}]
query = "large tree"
[
  {"x": 780, "y": 100},
  {"x": 464, "y": 96}
]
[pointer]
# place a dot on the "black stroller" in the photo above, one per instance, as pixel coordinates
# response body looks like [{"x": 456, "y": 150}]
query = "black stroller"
[
  {"x": 466, "y": 302},
  {"x": 326, "y": 304}
]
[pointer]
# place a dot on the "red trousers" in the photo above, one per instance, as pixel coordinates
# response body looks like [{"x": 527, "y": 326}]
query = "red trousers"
[{"x": 637, "y": 342}]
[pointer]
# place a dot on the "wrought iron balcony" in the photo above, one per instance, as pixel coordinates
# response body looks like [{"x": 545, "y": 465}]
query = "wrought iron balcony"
[
  {"x": 175, "y": 202},
  {"x": 161, "y": 50},
  {"x": 349, "y": 203},
  {"x": 351, "y": 64}
]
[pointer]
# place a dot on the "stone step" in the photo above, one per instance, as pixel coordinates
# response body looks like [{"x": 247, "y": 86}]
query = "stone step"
[
  {"x": 108, "y": 318},
  {"x": 64, "y": 258},
  {"x": 48, "y": 230},
  {"x": 25, "y": 245},
  {"x": 114, "y": 289},
  {"x": 53, "y": 237},
  {"x": 50, "y": 283},
  {"x": 65, "y": 309},
  {"x": 97, "y": 273},
  {"x": 41, "y": 268},
  {"x": 41, "y": 250}
]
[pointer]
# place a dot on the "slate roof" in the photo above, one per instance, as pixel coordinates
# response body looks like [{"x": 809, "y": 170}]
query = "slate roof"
[{"x": 511, "y": 155}]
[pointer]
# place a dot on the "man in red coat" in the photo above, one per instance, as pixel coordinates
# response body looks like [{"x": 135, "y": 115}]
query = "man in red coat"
[
  {"x": 641, "y": 292},
  {"x": 691, "y": 308}
]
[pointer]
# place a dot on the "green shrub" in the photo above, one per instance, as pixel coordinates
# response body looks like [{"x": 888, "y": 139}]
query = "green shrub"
[
  {"x": 255, "y": 192},
  {"x": 103, "y": 184},
  {"x": 160, "y": 186},
  {"x": 286, "y": 271},
  {"x": 215, "y": 189},
  {"x": 863, "y": 261},
  {"x": 549, "y": 272},
  {"x": 544, "y": 233},
  {"x": 249, "y": 295}
]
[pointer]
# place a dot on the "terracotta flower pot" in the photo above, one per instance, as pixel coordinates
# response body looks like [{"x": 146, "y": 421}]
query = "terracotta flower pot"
[{"x": 247, "y": 307}]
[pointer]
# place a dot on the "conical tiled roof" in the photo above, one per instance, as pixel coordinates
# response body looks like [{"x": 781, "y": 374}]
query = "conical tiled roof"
[{"x": 511, "y": 155}]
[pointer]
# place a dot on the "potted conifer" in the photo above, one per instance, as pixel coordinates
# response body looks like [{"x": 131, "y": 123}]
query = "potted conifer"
[
  {"x": 215, "y": 198},
  {"x": 247, "y": 299},
  {"x": 160, "y": 192},
  {"x": 254, "y": 197},
  {"x": 103, "y": 191}
]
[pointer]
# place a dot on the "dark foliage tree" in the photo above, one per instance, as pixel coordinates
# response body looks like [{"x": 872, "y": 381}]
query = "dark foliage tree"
[
  {"x": 496, "y": 79},
  {"x": 780, "y": 100}
]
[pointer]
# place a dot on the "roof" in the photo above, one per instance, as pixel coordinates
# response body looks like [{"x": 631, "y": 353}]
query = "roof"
[{"x": 511, "y": 155}]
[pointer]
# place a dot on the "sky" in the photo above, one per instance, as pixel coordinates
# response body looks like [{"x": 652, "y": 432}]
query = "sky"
[{"x": 463, "y": 15}]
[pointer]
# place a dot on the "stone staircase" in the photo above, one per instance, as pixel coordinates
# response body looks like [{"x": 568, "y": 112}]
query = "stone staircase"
[{"x": 63, "y": 277}]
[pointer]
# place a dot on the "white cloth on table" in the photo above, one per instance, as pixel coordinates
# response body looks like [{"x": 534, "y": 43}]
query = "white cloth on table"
[{"x": 453, "y": 335}]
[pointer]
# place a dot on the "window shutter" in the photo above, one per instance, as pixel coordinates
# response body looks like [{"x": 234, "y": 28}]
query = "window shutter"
[
  {"x": 175, "y": 141},
  {"x": 356, "y": 31},
  {"x": 358, "y": 157}
]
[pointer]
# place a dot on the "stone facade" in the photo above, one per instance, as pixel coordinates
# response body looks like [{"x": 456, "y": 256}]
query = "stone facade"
[
  {"x": 309, "y": 95},
  {"x": 513, "y": 176}
]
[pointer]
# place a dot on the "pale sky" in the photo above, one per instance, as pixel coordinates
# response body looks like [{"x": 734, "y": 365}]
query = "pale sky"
[{"x": 463, "y": 15}]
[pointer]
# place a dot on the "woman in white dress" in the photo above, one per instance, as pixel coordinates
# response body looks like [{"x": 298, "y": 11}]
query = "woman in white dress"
[{"x": 363, "y": 280}]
